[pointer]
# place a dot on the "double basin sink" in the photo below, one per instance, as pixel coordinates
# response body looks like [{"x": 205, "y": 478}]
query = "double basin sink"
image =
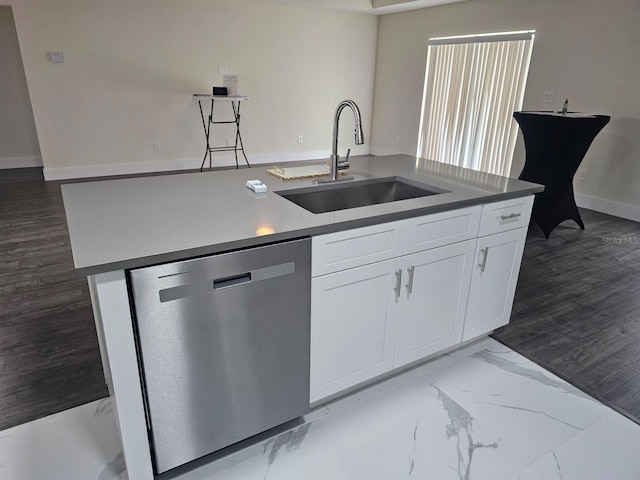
[{"x": 349, "y": 194}]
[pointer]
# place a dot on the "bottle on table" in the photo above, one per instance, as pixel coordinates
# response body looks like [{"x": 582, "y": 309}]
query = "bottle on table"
[{"x": 565, "y": 107}]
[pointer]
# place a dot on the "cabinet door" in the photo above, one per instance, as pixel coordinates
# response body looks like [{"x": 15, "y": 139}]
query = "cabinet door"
[
  {"x": 353, "y": 315},
  {"x": 493, "y": 283},
  {"x": 434, "y": 299}
]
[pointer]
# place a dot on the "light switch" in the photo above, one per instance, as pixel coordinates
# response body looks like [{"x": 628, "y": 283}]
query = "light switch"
[
  {"x": 56, "y": 57},
  {"x": 222, "y": 69}
]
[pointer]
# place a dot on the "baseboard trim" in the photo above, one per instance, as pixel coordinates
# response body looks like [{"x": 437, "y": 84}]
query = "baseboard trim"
[
  {"x": 87, "y": 171},
  {"x": 617, "y": 209},
  {"x": 382, "y": 152},
  {"x": 20, "y": 162}
]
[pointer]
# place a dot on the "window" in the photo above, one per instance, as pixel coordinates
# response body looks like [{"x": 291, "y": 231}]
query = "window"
[{"x": 473, "y": 84}]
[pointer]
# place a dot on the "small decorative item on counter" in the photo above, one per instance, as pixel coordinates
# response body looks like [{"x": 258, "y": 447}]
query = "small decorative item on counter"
[
  {"x": 565, "y": 107},
  {"x": 231, "y": 82}
]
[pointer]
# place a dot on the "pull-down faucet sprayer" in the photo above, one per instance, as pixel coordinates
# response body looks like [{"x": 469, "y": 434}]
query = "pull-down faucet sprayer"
[{"x": 335, "y": 164}]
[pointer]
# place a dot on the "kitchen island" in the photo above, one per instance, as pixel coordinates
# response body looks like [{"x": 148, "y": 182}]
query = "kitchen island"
[{"x": 119, "y": 225}]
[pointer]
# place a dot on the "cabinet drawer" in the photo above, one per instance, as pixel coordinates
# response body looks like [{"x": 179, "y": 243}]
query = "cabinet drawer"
[
  {"x": 443, "y": 228},
  {"x": 352, "y": 248},
  {"x": 506, "y": 215}
]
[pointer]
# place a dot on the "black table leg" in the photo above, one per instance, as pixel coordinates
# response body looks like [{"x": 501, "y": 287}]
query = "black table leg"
[
  {"x": 206, "y": 128},
  {"x": 236, "y": 113}
]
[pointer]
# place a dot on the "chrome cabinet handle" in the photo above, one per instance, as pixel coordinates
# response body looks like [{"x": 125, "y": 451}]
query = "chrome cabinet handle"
[
  {"x": 485, "y": 253},
  {"x": 398, "y": 283},
  {"x": 409, "y": 284},
  {"x": 511, "y": 216}
]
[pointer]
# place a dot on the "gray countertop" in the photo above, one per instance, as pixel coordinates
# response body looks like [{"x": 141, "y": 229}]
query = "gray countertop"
[{"x": 135, "y": 222}]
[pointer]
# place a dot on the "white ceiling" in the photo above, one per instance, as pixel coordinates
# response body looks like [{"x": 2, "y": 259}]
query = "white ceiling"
[{"x": 375, "y": 7}]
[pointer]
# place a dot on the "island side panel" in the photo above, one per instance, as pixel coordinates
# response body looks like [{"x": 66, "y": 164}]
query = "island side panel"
[
  {"x": 111, "y": 302},
  {"x": 93, "y": 294}
]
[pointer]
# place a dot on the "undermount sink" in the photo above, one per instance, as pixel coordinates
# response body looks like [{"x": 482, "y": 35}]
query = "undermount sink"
[{"x": 341, "y": 196}]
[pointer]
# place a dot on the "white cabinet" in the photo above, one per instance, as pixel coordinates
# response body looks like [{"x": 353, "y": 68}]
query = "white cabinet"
[
  {"x": 434, "y": 300},
  {"x": 361, "y": 299},
  {"x": 353, "y": 316},
  {"x": 502, "y": 235},
  {"x": 368, "y": 320},
  {"x": 389, "y": 295},
  {"x": 493, "y": 283}
]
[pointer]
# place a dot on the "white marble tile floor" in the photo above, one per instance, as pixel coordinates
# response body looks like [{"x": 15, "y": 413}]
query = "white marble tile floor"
[{"x": 479, "y": 413}]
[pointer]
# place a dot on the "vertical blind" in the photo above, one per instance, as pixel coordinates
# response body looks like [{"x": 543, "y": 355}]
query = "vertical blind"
[{"x": 472, "y": 87}]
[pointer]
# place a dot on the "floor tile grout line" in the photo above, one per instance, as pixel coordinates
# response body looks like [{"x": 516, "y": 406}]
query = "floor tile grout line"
[{"x": 565, "y": 378}]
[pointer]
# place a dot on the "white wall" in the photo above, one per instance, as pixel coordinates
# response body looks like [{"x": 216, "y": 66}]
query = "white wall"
[
  {"x": 18, "y": 139},
  {"x": 585, "y": 50},
  {"x": 131, "y": 66}
]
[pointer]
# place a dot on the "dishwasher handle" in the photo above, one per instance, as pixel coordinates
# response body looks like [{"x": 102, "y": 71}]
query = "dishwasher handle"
[
  {"x": 207, "y": 286},
  {"x": 232, "y": 281}
]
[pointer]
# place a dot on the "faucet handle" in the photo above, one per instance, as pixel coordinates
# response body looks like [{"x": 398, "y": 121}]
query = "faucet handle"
[{"x": 344, "y": 164}]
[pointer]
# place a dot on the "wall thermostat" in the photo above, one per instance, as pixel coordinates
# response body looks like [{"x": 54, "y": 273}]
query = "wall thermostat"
[{"x": 56, "y": 57}]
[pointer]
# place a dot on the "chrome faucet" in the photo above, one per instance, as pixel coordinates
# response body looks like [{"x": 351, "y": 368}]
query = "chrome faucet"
[{"x": 334, "y": 161}]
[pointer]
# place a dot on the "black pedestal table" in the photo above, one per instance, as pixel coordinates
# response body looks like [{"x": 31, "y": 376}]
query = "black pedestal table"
[{"x": 555, "y": 146}]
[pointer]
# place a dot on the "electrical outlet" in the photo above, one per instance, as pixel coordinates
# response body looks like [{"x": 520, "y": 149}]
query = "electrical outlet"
[
  {"x": 156, "y": 146},
  {"x": 222, "y": 69},
  {"x": 548, "y": 95},
  {"x": 582, "y": 174},
  {"x": 300, "y": 139},
  {"x": 228, "y": 142}
]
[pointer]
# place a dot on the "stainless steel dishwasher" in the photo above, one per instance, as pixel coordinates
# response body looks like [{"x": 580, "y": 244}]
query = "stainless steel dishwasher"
[{"x": 224, "y": 347}]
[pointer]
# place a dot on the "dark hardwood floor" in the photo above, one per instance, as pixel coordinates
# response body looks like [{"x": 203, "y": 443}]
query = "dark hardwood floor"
[
  {"x": 49, "y": 357},
  {"x": 577, "y": 307}
]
